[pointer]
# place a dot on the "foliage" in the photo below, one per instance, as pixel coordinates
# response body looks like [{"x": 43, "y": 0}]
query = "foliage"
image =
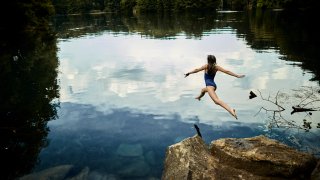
[
  {"x": 269, "y": 4},
  {"x": 150, "y": 25},
  {"x": 28, "y": 72},
  {"x": 176, "y": 5},
  {"x": 26, "y": 14},
  {"x": 127, "y": 4},
  {"x": 87, "y": 6}
]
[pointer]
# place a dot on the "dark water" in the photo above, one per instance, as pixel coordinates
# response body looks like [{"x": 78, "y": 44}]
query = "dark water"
[{"x": 107, "y": 93}]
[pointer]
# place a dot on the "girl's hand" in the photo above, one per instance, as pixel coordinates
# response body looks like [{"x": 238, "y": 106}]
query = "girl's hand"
[
  {"x": 185, "y": 75},
  {"x": 240, "y": 76}
]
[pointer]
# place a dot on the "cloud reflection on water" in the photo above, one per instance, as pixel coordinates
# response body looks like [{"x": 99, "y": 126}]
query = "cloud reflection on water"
[
  {"x": 84, "y": 136},
  {"x": 147, "y": 74},
  {"x": 116, "y": 94}
]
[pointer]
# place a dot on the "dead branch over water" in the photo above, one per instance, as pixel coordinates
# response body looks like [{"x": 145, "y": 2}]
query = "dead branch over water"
[{"x": 306, "y": 101}]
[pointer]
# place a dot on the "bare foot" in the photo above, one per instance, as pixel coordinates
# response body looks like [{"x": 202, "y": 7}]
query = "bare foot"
[
  {"x": 234, "y": 114},
  {"x": 198, "y": 98}
]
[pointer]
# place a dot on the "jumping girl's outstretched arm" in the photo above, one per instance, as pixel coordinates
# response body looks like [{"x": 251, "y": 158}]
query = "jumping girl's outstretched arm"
[
  {"x": 196, "y": 70},
  {"x": 219, "y": 68}
]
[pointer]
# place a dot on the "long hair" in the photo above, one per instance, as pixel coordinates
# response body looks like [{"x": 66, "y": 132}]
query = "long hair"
[{"x": 211, "y": 64}]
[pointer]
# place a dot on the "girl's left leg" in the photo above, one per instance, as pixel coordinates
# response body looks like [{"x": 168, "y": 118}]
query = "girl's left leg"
[{"x": 216, "y": 100}]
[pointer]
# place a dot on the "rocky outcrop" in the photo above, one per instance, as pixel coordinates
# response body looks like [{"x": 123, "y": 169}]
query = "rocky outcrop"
[{"x": 245, "y": 158}]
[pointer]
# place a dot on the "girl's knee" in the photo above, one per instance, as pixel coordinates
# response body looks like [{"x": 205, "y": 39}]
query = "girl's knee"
[{"x": 217, "y": 102}]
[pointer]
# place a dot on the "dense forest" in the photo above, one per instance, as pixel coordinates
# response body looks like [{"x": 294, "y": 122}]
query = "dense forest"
[
  {"x": 87, "y": 6},
  {"x": 30, "y": 12}
]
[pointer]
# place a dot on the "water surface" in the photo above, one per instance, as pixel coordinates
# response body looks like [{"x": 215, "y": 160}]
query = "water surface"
[{"x": 124, "y": 99}]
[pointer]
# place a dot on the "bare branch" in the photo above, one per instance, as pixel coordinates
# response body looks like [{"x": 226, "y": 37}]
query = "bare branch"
[{"x": 307, "y": 96}]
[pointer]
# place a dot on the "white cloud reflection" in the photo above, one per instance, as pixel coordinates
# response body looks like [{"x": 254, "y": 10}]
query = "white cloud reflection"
[{"x": 147, "y": 74}]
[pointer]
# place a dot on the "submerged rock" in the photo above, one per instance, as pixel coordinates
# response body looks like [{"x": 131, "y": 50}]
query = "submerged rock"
[
  {"x": 316, "y": 172},
  {"x": 231, "y": 158},
  {"x": 83, "y": 174},
  {"x": 130, "y": 150},
  {"x": 136, "y": 169},
  {"x": 54, "y": 173},
  {"x": 151, "y": 158}
]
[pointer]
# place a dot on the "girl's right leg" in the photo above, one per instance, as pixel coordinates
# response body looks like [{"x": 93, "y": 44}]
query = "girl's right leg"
[
  {"x": 216, "y": 100},
  {"x": 202, "y": 93}
]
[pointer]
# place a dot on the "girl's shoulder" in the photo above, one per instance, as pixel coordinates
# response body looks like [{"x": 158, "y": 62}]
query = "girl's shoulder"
[{"x": 205, "y": 66}]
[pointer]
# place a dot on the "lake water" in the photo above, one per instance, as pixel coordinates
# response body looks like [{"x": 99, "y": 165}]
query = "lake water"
[{"x": 124, "y": 99}]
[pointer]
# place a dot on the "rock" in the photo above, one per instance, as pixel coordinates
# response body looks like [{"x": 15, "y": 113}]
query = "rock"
[
  {"x": 94, "y": 175},
  {"x": 54, "y": 173},
  {"x": 191, "y": 159},
  {"x": 188, "y": 158},
  {"x": 257, "y": 158},
  {"x": 316, "y": 172},
  {"x": 83, "y": 175},
  {"x": 264, "y": 157},
  {"x": 150, "y": 158},
  {"x": 137, "y": 168},
  {"x": 130, "y": 150}
]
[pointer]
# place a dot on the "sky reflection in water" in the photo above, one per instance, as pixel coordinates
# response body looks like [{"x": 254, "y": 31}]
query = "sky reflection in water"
[
  {"x": 129, "y": 91},
  {"x": 146, "y": 75}
]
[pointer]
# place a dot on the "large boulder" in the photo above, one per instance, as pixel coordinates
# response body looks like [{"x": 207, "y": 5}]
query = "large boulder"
[
  {"x": 186, "y": 159},
  {"x": 245, "y": 158},
  {"x": 264, "y": 157},
  {"x": 191, "y": 159}
]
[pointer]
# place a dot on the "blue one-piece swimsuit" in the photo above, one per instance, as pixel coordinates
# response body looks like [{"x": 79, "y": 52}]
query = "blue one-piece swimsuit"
[{"x": 209, "y": 79}]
